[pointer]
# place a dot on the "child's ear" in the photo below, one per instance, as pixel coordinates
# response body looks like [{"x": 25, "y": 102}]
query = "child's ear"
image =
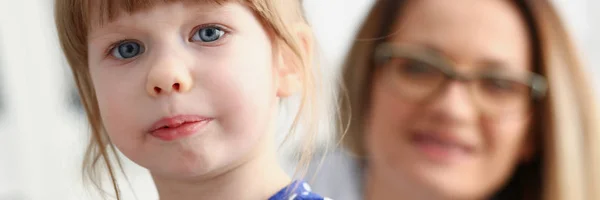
[{"x": 290, "y": 69}]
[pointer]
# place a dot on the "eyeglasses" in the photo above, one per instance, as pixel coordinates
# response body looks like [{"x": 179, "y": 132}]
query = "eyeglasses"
[{"x": 419, "y": 75}]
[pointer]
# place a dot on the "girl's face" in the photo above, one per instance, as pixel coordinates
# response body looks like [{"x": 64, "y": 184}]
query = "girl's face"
[
  {"x": 445, "y": 138},
  {"x": 185, "y": 89}
]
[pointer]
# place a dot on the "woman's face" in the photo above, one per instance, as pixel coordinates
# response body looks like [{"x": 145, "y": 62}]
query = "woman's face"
[{"x": 452, "y": 139}]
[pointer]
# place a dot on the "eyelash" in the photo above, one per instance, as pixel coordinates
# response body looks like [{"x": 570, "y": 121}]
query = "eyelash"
[
  {"x": 227, "y": 31},
  {"x": 113, "y": 46}
]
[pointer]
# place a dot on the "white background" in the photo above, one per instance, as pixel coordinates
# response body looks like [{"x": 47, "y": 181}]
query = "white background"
[{"x": 42, "y": 135}]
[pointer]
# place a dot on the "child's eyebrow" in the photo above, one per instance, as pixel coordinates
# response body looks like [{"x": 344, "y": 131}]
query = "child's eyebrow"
[
  {"x": 221, "y": 10},
  {"x": 210, "y": 7},
  {"x": 211, "y": 11},
  {"x": 108, "y": 30}
]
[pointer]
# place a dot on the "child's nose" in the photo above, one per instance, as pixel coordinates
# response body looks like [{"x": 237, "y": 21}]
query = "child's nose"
[{"x": 167, "y": 78}]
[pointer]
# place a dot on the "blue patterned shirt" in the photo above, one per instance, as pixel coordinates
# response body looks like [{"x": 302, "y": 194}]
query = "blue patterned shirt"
[{"x": 298, "y": 190}]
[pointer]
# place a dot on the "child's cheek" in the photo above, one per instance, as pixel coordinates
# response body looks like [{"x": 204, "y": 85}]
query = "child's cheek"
[
  {"x": 245, "y": 95},
  {"x": 239, "y": 83},
  {"x": 118, "y": 94}
]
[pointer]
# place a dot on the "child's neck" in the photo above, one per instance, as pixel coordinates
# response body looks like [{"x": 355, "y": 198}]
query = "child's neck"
[{"x": 258, "y": 178}]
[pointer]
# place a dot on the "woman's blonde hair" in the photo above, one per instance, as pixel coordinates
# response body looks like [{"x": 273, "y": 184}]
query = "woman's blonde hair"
[
  {"x": 566, "y": 165},
  {"x": 73, "y": 22}
]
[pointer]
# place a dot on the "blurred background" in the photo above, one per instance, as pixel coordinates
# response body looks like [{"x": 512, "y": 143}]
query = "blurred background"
[{"x": 42, "y": 125}]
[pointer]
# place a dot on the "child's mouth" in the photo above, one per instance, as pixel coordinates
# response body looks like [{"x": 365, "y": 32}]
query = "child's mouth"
[{"x": 173, "y": 128}]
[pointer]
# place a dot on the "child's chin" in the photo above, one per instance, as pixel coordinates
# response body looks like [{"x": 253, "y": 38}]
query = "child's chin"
[{"x": 180, "y": 171}]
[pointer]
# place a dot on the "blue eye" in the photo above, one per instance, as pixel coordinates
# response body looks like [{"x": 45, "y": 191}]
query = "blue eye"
[
  {"x": 126, "y": 50},
  {"x": 208, "y": 34}
]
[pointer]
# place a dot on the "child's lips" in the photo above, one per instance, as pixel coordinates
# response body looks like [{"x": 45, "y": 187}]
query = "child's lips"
[{"x": 172, "y": 128}]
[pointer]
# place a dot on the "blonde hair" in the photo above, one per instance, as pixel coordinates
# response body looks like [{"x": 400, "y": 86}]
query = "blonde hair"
[
  {"x": 73, "y": 22},
  {"x": 567, "y": 163}
]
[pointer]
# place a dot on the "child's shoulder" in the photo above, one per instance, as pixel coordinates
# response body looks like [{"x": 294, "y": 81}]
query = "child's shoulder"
[{"x": 297, "y": 190}]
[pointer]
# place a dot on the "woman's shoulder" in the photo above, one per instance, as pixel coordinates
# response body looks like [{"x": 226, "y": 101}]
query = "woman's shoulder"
[{"x": 297, "y": 190}]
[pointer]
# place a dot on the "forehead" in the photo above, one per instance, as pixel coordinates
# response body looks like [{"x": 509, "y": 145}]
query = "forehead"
[
  {"x": 104, "y": 11},
  {"x": 466, "y": 29}
]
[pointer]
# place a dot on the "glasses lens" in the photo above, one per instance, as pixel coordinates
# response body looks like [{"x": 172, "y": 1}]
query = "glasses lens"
[
  {"x": 415, "y": 78},
  {"x": 498, "y": 95}
]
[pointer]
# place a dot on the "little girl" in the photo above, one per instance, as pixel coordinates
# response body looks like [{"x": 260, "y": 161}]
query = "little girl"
[{"x": 190, "y": 89}]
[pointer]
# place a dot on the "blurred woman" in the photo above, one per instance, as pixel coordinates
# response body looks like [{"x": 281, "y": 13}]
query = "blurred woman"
[{"x": 470, "y": 99}]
